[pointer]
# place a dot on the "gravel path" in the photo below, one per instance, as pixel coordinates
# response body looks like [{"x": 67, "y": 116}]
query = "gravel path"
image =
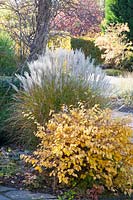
[
  {"x": 121, "y": 84},
  {"x": 116, "y": 83}
]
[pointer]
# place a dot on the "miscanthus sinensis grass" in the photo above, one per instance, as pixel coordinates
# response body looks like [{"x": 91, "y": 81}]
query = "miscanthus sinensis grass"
[{"x": 56, "y": 78}]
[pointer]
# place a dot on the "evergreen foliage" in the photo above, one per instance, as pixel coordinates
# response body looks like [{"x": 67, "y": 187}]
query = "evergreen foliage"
[
  {"x": 120, "y": 11},
  {"x": 7, "y": 55},
  {"x": 109, "y": 11}
]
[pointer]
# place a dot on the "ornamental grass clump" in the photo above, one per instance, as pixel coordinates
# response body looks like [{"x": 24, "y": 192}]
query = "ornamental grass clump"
[
  {"x": 79, "y": 143},
  {"x": 59, "y": 77}
]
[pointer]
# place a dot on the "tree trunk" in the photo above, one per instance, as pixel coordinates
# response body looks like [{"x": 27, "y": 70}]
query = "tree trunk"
[{"x": 38, "y": 46}]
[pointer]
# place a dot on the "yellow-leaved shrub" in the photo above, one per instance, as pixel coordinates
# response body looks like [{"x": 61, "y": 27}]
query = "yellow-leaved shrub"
[
  {"x": 62, "y": 41},
  {"x": 78, "y": 143}
]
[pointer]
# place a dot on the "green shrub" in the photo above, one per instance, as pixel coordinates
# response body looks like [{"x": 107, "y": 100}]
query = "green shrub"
[
  {"x": 87, "y": 45},
  {"x": 5, "y": 89},
  {"x": 113, "y": 72},
  {"x": 59, "y": 77},
  {"x": 4, "y": 131},
  {"x": 7, "y": 55},
  {"x": 8, "y": 165},
  {"x": 80, "y": 143},
  {"x": 6, "y": 94}
]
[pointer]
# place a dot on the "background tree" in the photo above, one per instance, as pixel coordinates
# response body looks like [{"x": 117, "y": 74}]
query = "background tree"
[
  {"x": 46, "y": 10},
  {"x": 86, "y": 17},
  {"x": 120, "y": 11},
  {"x": 18, "y": 19},
  {"x": 29, "y": 21}
]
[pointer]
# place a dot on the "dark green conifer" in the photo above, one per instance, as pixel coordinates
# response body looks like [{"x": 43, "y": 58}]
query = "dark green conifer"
[{"x": 120, "y": 11}]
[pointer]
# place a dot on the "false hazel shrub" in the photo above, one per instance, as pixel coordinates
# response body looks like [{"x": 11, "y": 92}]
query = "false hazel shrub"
[
  {"x": 56, "y": 78},
  {"x": 78, "y": 143}
]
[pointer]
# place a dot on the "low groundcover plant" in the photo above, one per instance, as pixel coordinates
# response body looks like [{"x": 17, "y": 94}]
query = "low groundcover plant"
[
  {"x": 56, "y": 78},
  {"x": 78, "y": 143}
]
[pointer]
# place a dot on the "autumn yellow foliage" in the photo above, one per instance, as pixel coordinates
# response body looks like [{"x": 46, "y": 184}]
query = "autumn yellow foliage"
[
  {"x": 79, "y": 142},
  {"x": 117, "y": 51},
  {"x": 62, "y": 41}
]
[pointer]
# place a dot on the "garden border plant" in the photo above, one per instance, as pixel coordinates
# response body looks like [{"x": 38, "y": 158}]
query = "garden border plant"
[
  {"x": 6, "y": 100},
  {"x": 79, "y": 144},
  {"x": 7, "y": 55},
  {"x": 59, "y": 77},
  {"x": 117, "y": 49}
]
